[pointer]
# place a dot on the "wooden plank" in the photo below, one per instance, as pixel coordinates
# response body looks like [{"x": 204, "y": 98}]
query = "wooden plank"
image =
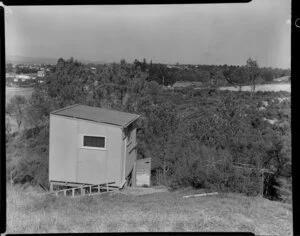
[{"x": 201, "y": 195}]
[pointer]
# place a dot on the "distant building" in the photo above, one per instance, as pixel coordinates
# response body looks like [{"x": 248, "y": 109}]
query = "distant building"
[
  {"x": 10, "y": 75},
  {"x": 23, "y": 77},
  {"x": 41, "y": 73},
  {"x": 93, "y": 69}
]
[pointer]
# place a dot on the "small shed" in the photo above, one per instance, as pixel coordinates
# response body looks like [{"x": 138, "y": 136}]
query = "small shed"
[{"x": 90, "y": 145}]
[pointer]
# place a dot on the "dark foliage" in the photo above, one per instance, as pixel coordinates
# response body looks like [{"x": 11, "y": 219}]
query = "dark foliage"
[{"x": 197, "y": 138}]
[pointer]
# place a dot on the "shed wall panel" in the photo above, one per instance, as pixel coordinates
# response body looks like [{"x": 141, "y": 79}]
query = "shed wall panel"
[
  {"x": 99, "y": 166},
  {"x": 62, "y": 149}
]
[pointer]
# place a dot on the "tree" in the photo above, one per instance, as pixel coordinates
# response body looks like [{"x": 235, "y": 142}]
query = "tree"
[
  {"x": 69, "y": 83},
  {"x": 252, "y": 71},
  {"x": 7, "y": 127},
  {"x": 160, "y": 126},
  {"x": 235, "y": 76},
  {"x": 9, "y": 67},
  {"x": 16, "y": 109}
]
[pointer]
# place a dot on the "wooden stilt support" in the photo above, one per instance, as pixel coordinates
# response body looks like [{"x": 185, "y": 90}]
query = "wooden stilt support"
[
  {"x": 51, "y": 187},
  {"x": 86, "y": 189}
]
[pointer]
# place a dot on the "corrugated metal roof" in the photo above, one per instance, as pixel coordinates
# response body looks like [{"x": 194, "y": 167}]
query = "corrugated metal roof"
[{"x": 97, "y": 114}]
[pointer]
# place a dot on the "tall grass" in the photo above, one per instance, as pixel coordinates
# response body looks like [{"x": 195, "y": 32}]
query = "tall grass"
[{"x": 29, "y": 213}]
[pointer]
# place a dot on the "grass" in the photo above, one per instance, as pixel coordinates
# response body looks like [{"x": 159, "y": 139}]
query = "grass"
[{"x": 165, "y": 211}]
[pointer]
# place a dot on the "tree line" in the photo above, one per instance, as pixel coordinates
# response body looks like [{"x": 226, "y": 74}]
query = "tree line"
[{"x": 194, "y": 137}]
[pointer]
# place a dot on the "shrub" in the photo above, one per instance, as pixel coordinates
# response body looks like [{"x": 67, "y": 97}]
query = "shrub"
[
  {"x": 29, "y": 163},
  {"x": 210, "y": 168}
]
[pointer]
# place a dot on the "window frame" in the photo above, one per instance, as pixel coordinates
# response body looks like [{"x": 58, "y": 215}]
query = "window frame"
[{"x": 93, "y": 148}]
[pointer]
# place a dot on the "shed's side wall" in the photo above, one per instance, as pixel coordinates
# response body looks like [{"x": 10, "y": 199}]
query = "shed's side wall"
[
  {"x": 130, "y": 152},
  {"x": 62, "y": 149},
  {"x": 99, "y": 166}
]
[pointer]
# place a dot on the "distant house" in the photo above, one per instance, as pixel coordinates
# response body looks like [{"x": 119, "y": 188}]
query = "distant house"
[
  {"x": 10, "y": 75},
  {"x": 90, "y": 145},
  {"x": 23, "y": 77},
  {"x": 41, "y": 73},
  {"x": 93, "y": 69}
]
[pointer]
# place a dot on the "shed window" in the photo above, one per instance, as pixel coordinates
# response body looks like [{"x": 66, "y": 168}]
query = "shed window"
[{"x": 94, "y": 141}]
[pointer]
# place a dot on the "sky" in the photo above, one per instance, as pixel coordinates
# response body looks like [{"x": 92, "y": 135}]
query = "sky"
[{"x": 189, "y": 34}]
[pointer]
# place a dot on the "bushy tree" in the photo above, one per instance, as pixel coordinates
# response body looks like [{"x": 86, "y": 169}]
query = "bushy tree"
[
  {"x": 253, "y": 73},
  {"x": 160, "y": 125},
  {"x": 16, "y": 109}
]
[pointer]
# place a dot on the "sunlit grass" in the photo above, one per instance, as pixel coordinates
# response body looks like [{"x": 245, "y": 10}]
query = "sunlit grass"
[{"x": 29, "y": 213}]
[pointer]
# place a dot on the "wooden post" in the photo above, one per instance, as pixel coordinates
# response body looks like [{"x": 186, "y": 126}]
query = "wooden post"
[
  {"x": 73, "y": 192},
  {"x": 90, "y": 189},
  {"x": 106, "y": 187},
  {"x": 98, "y": 188},
  {"x": 51, "y": 187}
]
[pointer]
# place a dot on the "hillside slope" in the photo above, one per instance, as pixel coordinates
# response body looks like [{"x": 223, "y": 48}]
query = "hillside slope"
[{"x": 165, "y": 211}]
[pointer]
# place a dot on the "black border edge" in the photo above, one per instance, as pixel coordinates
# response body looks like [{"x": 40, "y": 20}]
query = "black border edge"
[
  {"x": 295, "y": 117},
  {"x": 294, "y": 73},
  {"x": 113, "y": 2},
  {"x": 153, "y": 233},
  {"x": 2, "y": 120}
]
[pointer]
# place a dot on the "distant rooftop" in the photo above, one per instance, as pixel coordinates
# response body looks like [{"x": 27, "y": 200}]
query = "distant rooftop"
[{"x": 96, "y": 114}]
